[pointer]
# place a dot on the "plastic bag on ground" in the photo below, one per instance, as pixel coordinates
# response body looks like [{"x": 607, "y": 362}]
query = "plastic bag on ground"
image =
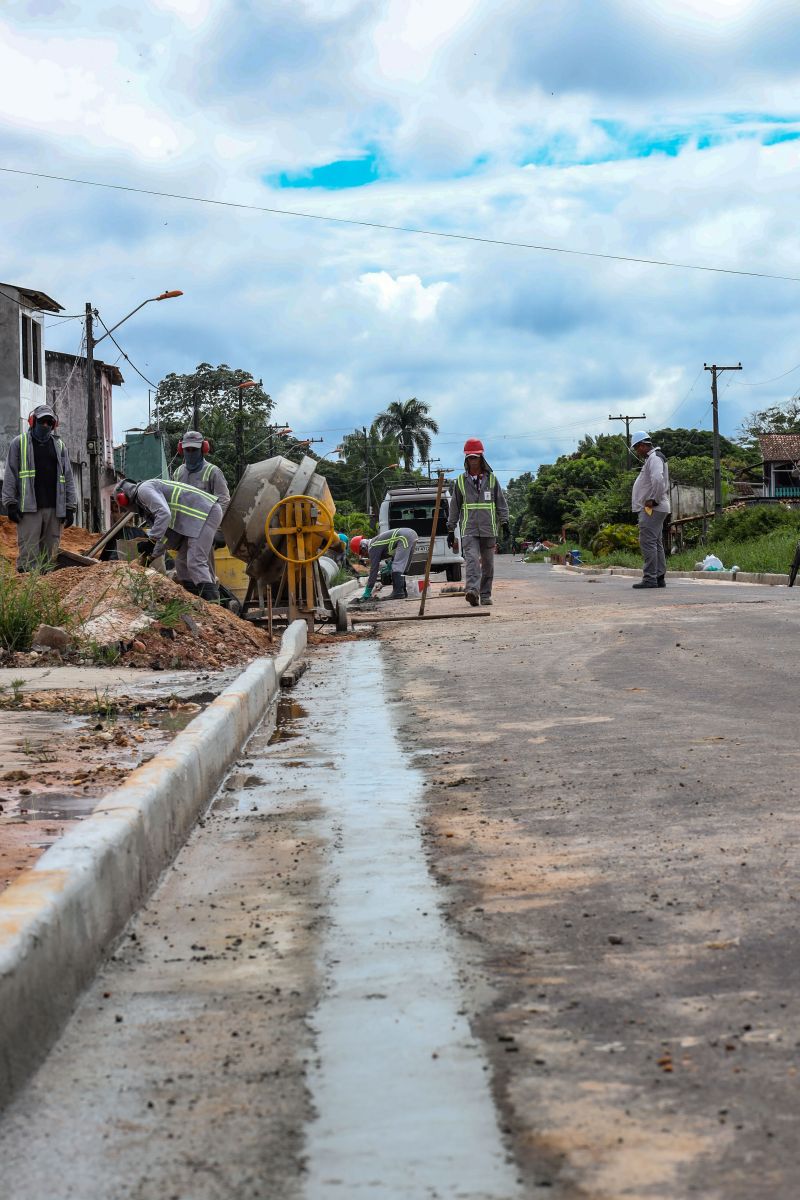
[{"x": 712, "y": 563}]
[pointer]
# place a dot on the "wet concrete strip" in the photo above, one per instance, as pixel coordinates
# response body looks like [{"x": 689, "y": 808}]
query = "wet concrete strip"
[{"x": 400, "y": 1086}]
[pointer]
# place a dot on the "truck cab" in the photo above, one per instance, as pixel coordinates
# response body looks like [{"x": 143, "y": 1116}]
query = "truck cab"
[{"x": 413, "y": 507}]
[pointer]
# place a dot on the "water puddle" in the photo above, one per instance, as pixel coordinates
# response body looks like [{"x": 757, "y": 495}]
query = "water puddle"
[
  {"x": 289, "y": 714},
  {"x": 55, "y": 806},
  {"x": 400, "y": 1087}
]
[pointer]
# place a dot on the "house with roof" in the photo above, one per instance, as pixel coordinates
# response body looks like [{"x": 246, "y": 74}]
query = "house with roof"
[
  {"x": 23, "y": 383},
  {"x": 780, "y": 453}
]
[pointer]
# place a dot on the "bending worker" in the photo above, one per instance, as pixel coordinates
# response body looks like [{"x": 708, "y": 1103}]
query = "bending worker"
[
  {"x": 478, "y": 506},
  {"x": 200, "y": 473},
  {"x": 38, "y": 489},
  {"x": 397, "y": 544},
  {"x": 183, "y": 519}
]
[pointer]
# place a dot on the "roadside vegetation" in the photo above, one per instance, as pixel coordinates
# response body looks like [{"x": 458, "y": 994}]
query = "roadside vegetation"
[{"x": 26, "y": 602}]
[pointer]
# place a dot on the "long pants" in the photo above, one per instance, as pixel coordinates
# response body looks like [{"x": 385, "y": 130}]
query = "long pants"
[
  {"x": 400, "y": 560},
  {"x": 479, "y": 555},
  {"x": 651, "y": 541},
  {"x": 38, "y": 535},
  {"x": 191, "y": 559}
]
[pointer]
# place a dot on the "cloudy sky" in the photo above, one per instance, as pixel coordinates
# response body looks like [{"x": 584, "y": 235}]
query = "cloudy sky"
[{"x": 658, "y": 129}]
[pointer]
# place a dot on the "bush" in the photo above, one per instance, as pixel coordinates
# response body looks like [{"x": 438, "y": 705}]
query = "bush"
[
  {"x": 26, "y": 602},
  {"x": 743, "y": 524},
  {"x": 612, "y": 538}
]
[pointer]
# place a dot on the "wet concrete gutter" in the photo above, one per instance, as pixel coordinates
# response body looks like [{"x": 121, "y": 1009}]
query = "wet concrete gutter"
[{"x": 58, "y": 919}]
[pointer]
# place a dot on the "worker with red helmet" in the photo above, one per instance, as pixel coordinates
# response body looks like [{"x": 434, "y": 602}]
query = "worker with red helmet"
[
  {"x": 478, "y": 506},
  {"x": 396, "y": 544}
]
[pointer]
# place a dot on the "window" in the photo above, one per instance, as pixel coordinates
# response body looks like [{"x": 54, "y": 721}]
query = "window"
[
  {"x": 31, "y": 349},
  {"x": 417, "y": 516}
]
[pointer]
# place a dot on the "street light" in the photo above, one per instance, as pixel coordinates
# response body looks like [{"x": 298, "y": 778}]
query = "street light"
[
  {"x": 95, "y": 509},
  {"x": 248, "y": 383}
]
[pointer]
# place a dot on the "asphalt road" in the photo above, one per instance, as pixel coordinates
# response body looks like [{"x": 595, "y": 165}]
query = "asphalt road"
[
  {"x": 612, "y": 816},
  {"x": 596, "y": 999}
]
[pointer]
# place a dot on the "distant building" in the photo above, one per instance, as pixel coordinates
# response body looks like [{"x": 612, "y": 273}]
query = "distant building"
[
  {"x": 780, "y": 453},
  {"x": 143, "y": 456},
  {"x": 66, "y": 392},
  {"x": 22, "y": 358}
]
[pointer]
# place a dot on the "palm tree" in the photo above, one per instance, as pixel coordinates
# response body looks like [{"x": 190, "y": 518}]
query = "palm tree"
[{"x": 409, "y": 423}]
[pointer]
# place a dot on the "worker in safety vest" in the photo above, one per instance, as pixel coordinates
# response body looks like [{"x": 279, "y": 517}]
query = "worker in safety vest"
[
  {"x": 397, "y": 544},
  {"x": 200, "y": 473},
  {"x": 38, "y": 489},
  {"x": 478, "y": 506},
  {"x": 181, "y": 518}
]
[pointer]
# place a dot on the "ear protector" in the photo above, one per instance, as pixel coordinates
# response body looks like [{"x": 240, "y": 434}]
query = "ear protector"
[
  {"x": 206, "y": 447},
  {"x": 32, "y": 421},
  {"x": 122, "y": 500}
]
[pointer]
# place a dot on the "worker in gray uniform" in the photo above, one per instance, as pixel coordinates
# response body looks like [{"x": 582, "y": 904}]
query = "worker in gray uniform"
[
  {"x": 39, "y": 490},
  {"x": 397, "y": 544},
  {"x": 478, "y": 506},
  {"x": 200, "y": 473},
  {"x": 181, "y": 518}
]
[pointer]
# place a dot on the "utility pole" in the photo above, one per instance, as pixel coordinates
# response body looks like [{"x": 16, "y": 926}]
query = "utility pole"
[
  {"x": 627, "y": 420},
  {"x": 715, "y": 371},
  {"x": 95, "y": 509}
]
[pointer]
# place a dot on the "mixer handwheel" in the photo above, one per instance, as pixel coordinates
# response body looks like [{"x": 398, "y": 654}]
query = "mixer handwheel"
[{"x": 307, "y": 525}]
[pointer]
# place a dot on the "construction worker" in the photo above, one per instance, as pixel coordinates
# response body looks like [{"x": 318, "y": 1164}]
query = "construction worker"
[
  {"x": 397, "y": 544},
  {"x": 479, "y": 507},
  {"x": 196, "y": 470},
  {"x": 650, "y": 499},
  {"x": 38, "y": 489},
  {"x": 182, "y": 518}
]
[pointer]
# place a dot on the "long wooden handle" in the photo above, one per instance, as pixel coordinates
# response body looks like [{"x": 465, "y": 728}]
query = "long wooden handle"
[{"x": 436, "y": 508}]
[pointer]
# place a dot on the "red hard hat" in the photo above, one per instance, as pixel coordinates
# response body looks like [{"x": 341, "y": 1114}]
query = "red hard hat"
[
  {"x": 473, "y": 446},
  {"x": 355, "y": 543}
]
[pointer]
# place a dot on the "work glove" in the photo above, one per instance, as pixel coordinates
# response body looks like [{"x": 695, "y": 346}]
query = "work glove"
[
  {"x": 219, "y": 540},
  {"x": 13, "y": 513},
  {"x": 367, "y": 593},
  {"x": 451, "y": 539},
  {"x": 505, "y": 529},
  {"x": 69, "y": 519}
]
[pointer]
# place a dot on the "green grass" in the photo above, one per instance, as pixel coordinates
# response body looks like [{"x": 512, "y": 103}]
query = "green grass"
[
  {"x": 26, "y": 602},
  {"x": 772, "y": 552}
]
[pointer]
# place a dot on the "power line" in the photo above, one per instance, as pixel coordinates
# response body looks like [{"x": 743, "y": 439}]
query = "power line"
[
  {"x": 434, "y": 233},
  {"x": 124, "y": 355}
]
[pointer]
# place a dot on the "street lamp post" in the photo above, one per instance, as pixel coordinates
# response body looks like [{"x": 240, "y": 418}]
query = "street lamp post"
[
  {"x": 248, "y": 383},
  {"x": 92, "y": 439}
]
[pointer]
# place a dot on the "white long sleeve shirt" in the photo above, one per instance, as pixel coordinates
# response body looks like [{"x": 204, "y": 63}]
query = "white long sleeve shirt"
[{"x": 652, "y": 483}]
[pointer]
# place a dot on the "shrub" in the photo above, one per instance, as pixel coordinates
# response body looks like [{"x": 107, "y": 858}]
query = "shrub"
[
  {"x": 612, "y": 538},
  {"x": 743, "y": 524},
  {"x": 26, "y": 602}
]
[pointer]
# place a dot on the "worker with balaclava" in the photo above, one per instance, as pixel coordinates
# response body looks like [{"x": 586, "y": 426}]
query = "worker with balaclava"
[
  {"x": 396, "y": 544},
  {"x": 181, "y": 518},
  {"x": 39, "y": 489},
  {"x": 200, "y": 473},
  {"x": 478, "y": 506}
]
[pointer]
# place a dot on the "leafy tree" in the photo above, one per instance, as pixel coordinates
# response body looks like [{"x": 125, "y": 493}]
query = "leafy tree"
[
  {"x": 559, "y": 489},
  {"x": 779, "y": 418},
  {"x": 215, "y": 393},
  {"x": 609, "y": 447},
  {"x": 695, "y": 471},
  {"x": 408, "y": 422},
  {"x": 517, "y": 496},
  {"x": 369, "y": 462},
  {"x": 690, "y": 443}
]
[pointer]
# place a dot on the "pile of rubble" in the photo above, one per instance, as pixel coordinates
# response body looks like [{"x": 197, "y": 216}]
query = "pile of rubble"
[{"x": 118, "y": 613}]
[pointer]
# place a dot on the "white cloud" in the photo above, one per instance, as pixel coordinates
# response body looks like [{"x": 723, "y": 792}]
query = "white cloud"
[{"x": 404, "y": 296}]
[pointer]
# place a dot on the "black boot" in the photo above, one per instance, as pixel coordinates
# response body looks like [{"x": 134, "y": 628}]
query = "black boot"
[
  {"x": 646, "y": 583},
  {"x": 208, "y": 592},
  {"x": 661, "y": 580},
  {"x": 188, "y": 586}
]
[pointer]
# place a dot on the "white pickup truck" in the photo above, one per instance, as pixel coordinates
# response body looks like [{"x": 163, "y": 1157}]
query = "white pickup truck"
[{"x": 413, "y": 507}]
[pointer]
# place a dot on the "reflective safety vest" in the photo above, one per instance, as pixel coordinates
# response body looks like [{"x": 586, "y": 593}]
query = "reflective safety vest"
[
  {"x": 477, "y": 506},
  {"x": 189, "y": 501},
  {"x": 209, "y": 478},
  {"x": 22, "y": 465},
  {"x": 391, "y": 540}
]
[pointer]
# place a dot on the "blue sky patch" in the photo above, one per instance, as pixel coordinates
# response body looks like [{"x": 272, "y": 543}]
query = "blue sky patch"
[{"x": 332, "y": 176}]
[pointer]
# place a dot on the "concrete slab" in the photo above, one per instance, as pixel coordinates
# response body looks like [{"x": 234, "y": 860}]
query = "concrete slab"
[{"x": 114, "y": 679}]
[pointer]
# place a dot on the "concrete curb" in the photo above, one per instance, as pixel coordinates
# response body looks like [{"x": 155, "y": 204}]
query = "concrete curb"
[
  {"x": 343, "y": 591},
  {"x": 769, "y": 578},
  {"x": 60, "y": 917}
]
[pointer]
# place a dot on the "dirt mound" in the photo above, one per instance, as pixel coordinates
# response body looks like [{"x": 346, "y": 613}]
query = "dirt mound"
[{"x": 74, "y": 539}]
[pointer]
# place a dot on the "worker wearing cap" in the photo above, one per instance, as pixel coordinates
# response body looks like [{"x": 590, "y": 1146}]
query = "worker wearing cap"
[
  {"x": 478, "y": 506},
  {"x": 182, "y": 518},
  {"x": 38, "y": 489},
  {"x": 650, "y": 500},
  {"x": 397, "y": 544},
  {"x": 200, "y": 473}
]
